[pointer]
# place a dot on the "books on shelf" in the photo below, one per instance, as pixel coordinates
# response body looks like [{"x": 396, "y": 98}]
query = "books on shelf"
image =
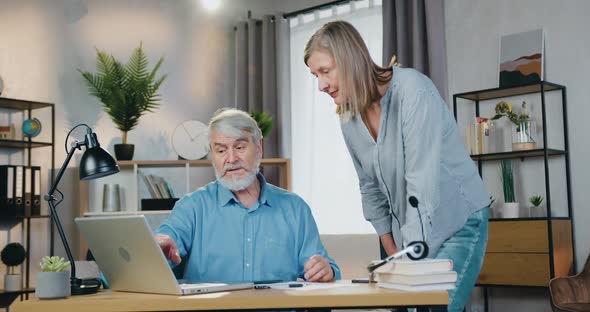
[
  {"x": 419, "y": 275},
  {"x": 157, "y": 186}
]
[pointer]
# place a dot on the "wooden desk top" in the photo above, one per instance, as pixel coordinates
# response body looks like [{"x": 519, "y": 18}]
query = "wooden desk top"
[
  {"x": 349, "y": 296},
  {"x": 352, "y": 296}
]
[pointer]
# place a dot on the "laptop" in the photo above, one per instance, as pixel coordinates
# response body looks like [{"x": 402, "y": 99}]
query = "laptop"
[{"x": 131, "y": 260}]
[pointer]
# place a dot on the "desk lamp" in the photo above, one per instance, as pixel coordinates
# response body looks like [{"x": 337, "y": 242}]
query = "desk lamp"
[{"x": 96, "y": 163}]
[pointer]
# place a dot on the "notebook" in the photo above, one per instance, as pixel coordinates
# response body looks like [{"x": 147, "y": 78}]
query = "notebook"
[{"x": 131, "y": 260}]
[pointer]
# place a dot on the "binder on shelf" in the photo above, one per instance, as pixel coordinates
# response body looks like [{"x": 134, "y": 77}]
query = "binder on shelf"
[
  {"x": 19, "y": 187},
  {"x": 7, "y": 190},
  {"x": 28, "y": 196},
  {"x": 36, "y": 191}
]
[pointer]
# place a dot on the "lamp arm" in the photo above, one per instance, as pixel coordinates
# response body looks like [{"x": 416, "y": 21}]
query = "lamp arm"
[
  {"x": 75, "y": 145},
  {"x": 51, "y": 201}
]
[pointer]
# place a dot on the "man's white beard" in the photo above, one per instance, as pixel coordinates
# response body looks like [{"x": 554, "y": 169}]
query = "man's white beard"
[{"x": 236, "y": 183}]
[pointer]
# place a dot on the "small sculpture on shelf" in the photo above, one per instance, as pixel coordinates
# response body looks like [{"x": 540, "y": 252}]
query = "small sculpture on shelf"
[
  {"x": 13, "y": 255},
  {"x": 524, "y": 128},
  {"x": 53, "y": 281},
  {"x": 536, "y": 210}
]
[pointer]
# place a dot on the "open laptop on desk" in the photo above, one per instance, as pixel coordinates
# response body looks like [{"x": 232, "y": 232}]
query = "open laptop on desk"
[{"x": 131, "y": 260}]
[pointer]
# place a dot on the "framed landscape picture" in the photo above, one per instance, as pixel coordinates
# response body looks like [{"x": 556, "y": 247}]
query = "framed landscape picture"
[{"x": 521, "y": 58}]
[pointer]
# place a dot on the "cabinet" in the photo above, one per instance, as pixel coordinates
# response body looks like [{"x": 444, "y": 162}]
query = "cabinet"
[
  {"x": 529, "y": 251},
  {"x": 28, "y": 149},
  {"x": 129, "y": 178}
]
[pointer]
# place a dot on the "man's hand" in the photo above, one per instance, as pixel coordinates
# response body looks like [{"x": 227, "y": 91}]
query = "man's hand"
[
  {"x": 318, "y": 269},
  {"x": 168, "y": 247}
]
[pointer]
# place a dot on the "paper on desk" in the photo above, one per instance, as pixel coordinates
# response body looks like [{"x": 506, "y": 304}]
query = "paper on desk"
[{"x": 316, "y": 286}]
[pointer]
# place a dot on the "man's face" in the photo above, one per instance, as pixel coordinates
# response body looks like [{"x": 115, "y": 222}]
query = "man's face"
[
  {"x": 235, "y": 160},
  {"x": 323, "y": 66}
]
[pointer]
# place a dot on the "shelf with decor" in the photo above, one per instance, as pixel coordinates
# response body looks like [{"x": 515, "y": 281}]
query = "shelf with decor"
[
  {"x": 130, "y": 177},
  {"x": 25, "y": 111},
  {"x": 526, "y": 250}
]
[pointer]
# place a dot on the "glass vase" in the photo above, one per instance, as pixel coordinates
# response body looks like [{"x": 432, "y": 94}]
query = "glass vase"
[{"x": 524, "y": 135}]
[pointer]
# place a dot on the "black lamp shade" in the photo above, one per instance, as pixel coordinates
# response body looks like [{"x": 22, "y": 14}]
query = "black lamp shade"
[{"x": 96, "y": 163}]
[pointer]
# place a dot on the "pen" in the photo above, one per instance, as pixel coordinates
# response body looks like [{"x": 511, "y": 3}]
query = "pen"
[{"x": 295, "y": 285}]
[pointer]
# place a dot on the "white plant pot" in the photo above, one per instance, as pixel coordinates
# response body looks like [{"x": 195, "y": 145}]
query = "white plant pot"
[
  {"x": 53, "y": 285},
  {"x": 510, "y": 210},
  {"x": 13, "y": 282}
]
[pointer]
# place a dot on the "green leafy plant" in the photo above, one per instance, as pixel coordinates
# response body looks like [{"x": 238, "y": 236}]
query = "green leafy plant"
[
  {"x": 54, "y": 264},
  {"x": 126, "y": 91},
  {"x": 507, "y": 180},
  {"x": 536, "y": 200},
  {"x": 504, "y": 109},
  {"x": 264, "y": 122}
]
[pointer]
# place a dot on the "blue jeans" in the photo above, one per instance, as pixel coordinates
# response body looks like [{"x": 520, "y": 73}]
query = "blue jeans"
[{"x": 466, "y": 248}]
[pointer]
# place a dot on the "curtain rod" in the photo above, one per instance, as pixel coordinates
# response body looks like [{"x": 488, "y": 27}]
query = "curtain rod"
[
  {"x": 303, "y": 11},
  {"x": 314, "y": 8}
]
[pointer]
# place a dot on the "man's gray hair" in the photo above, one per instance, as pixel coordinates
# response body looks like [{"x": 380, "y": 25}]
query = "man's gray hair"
[{"x": 232, "y": 122}]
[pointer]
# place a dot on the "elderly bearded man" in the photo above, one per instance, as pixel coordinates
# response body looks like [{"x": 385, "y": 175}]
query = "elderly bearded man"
[{"x": 239, "y": 228}]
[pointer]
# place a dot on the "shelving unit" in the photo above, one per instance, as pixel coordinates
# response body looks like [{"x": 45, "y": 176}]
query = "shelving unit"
[
  {"x": 527, "y": 251},
  {"x": 133, "y": 182},
  {"x": 27, "y": 145}
]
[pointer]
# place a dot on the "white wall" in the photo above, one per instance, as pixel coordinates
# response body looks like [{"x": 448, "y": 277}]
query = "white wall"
[
  {"x": 43, "y": 43},
  {"x": 473, "y": 29}
]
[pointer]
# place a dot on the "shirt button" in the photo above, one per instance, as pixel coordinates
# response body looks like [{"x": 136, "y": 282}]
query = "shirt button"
[
  {"x": 248, "y": 239},
  {"x": 248, "y": 265}
]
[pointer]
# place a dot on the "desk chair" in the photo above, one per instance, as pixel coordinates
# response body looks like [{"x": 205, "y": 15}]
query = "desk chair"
[{"x": 572, "y": 293}]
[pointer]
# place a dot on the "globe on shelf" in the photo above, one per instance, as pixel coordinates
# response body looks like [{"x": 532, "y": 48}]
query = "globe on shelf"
[{"x": 31, "y": 127}]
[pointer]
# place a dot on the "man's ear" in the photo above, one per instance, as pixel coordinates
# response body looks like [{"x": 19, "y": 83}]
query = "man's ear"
[{"x": 260, "y": 149}]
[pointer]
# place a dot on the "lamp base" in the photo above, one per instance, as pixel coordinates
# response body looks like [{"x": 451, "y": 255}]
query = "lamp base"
[{"x": 85, "y": 286}]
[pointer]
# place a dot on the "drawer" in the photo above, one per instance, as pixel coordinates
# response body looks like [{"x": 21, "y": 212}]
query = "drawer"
[{"x": 524, "y": 269}]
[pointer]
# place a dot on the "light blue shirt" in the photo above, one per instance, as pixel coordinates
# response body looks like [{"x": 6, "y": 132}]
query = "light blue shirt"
[
  {"x": 227, "y": 242},
  {"x": 418, "y": 152}
]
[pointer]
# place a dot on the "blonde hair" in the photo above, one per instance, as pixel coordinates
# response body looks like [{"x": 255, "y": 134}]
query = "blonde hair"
[{"x": 359, "y": 77}]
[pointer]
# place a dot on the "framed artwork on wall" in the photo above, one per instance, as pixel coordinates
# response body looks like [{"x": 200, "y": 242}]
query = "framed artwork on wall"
[{"x": 521, "y": 58}]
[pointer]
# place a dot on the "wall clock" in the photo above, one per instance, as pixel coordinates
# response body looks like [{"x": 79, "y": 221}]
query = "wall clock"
[{"x": 190, "y": 140}]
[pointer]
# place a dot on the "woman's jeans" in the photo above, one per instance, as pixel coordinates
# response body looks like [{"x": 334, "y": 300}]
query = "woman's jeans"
[{"x": 466, "y": 248}]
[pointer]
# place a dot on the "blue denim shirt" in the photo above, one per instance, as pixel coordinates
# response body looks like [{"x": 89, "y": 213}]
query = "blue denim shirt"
[
  {"x": 418, "y": 152},
  {"x": 227, "y": 242}
]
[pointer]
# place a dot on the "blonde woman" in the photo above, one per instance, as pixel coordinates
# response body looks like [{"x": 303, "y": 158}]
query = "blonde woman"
[{"x": 417, "y": 182}]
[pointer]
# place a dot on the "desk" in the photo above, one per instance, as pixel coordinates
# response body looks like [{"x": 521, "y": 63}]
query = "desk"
[{"x": 355, "y": 296}]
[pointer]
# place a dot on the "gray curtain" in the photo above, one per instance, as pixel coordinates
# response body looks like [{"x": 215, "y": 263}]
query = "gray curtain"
[
  {"x": 414, "y": 30},
  {"x": 257, "y": 77}
]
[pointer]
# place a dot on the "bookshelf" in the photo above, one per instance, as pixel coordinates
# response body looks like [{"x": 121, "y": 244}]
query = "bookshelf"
[
  {"x": 529, "y": 251},
  {"x": 130, "y": 178},
  {"x": 24, "y": 109}
]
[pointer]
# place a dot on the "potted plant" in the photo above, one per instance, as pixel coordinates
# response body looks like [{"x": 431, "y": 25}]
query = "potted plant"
[
  {"x": 13, "y": 255},
  {"x": 53, "y": 281},
  {"x": 510, "y": 209},
  {"x": 536, "y": 210},
  {"x": 524, "y": 128},
  {"x": 264, "y": 122},
  {"x": 126, "y": 92}
]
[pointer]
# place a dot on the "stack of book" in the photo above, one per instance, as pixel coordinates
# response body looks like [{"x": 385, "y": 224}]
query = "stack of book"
[
  {"x": 157, "y": 186},
  {"x": 420, "y": 275}
]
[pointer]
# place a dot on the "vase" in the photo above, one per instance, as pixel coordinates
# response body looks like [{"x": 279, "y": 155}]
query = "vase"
[
  {"x": 13, "y": 282},
  {"x": 524, "y": 135},
  {"x": 538, "y": 212},
  {"x": 124, "y": 151},
  {"x": 52, "y": 285},
  {"x": 510, "y": 210}
]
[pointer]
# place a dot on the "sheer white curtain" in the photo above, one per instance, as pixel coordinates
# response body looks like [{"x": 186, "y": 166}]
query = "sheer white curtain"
[{"x": 323, "y": 173}]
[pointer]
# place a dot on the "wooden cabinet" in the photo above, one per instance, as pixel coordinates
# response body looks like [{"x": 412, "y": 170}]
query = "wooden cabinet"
[{"x": 521, "y": 253}]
